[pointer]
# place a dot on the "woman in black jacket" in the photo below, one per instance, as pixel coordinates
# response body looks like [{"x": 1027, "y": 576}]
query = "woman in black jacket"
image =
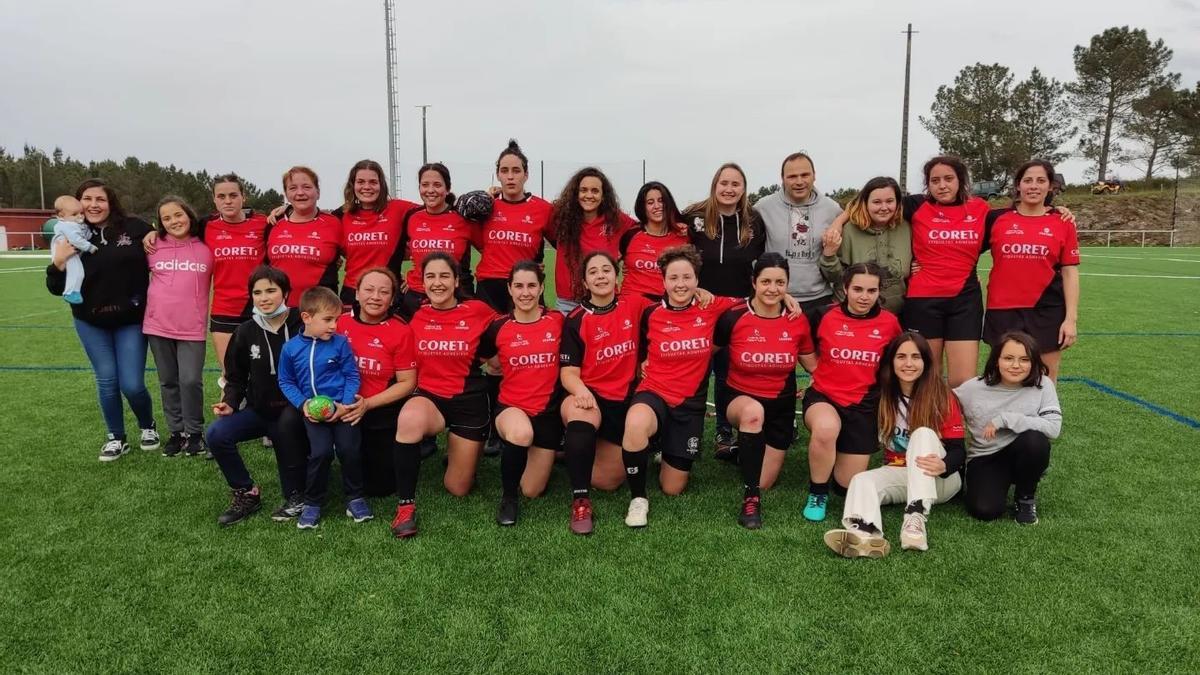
[
  {"x": 109, "y": 320},
  {"x": 250, "y": 376},
  {"x": 730, "y": 237}
]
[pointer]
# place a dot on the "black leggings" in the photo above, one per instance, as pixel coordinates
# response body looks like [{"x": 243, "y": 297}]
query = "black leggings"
[{"x": 1020, "y": 463}]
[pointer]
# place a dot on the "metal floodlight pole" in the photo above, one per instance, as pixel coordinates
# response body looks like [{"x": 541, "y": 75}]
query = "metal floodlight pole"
[
  {"x": 389, "y": 15},
  {"x": 424, "y": 138},
  {"x": 904, "y": 122}
]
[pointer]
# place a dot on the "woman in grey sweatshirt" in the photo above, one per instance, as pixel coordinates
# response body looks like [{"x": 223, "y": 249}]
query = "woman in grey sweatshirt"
[{"x": 1012, "y": 412}]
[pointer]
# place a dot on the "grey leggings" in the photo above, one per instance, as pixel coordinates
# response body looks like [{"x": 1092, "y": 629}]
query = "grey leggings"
[{"x": 180, "y": 366}]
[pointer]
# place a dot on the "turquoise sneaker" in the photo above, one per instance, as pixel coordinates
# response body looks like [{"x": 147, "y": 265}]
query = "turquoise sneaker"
[{"x": 814, "y": 508}]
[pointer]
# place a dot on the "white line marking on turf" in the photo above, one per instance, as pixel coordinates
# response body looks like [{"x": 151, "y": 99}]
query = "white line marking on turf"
[
  {"x": 21, "y": 269},
  {"x": 9, "y": 319},
  {"x": 45, "y": 255},
  {"x": 1134, "y": 276},
  {"x": 1145, "y": 258}
]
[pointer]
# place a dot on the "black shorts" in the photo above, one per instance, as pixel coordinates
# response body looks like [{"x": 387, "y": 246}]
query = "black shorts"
[
  {"x": 612, "y": 420},
  {"x": 1040, "y": 322},
  {"x": 860, "y": 427},
  {"x": 956, "y": 318},
  {"x": 679, "y": 427},
  {"x": 547, "y": 427},
  {"x": 779, "y": 418},
  {"x": 218, "y": 323},
  {"x": 408, "y": 303},
  {"x": 466, "y": 415},
  {"x": 494, "y": 292}
]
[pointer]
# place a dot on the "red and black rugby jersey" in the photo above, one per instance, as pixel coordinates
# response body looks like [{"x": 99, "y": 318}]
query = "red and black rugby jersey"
[
  {"x": 639, "y": 259},
  {"x": 237, "y": 249},
  {"x": 947, "y": 240},
  {"x": 603, "y": 343},
  {"x": 677, "y": 343},
  {"x": 528, "y": 354},
  {"x": 515, "y": 232},
  {"x": 895, "y": 447},
  {"x": 763, "y": 350},
  {"x": 369, "y": 237},
  {"x": 447, "y": 347},
  {"x": 591, "y": 239},
  {"x": 426, "y": 232},
  {"x": 307, "y": 252},
  {"x": 1028, "y": 254},
  {"x": 380, "y": 350},
  {"x": 848, "y": 351}
]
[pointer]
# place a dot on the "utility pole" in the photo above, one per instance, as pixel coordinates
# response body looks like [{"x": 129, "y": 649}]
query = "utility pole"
[
  {"x": 424, "y": 139},
  {"x": 904, "y": 123},
  {"x": 42, "y": 185},
  {"x": 643, "y": 172},
  {"x": 389, "y": 15}
]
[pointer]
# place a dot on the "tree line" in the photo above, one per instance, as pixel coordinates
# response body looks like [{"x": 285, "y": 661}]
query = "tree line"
[
  {"x": 1124, "y": 108},
  {"x": 140, "y": 184}
]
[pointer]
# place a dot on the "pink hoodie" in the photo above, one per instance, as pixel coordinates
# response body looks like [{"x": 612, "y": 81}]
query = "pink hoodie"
[{"x": 177, "y": 301}]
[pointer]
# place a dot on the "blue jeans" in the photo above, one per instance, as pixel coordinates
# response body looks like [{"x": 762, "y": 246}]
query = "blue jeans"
[
  {"x": 288, "y": 439},
  {"x": 118, "y": 357}
]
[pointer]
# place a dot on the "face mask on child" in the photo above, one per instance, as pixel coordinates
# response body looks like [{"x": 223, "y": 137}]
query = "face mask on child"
[{"x": 274, "y": 313}]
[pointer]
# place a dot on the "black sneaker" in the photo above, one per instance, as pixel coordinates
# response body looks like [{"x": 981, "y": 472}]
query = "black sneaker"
[
  {"x": 194, "y": 445},
  {"x": 244, "y": 504},
  {"x": 291, "y": 508},
  {"x": 1027, "y": 510},
  {"x": 174, "y": 445},
  {"x": 510, "y": 508},
  {"x": 751, "y": 516},
  {"x": 726, "y": 447}
]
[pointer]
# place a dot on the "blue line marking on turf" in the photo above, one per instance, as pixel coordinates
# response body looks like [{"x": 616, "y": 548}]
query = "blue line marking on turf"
[{"x": 1130, "y": 398}]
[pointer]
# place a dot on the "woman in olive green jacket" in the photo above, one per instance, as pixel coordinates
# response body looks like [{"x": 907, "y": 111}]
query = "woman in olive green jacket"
[{"x": 879, "y": 235}]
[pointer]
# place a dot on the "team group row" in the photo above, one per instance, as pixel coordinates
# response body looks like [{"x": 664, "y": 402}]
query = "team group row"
[{"x": 925, "y": 246}]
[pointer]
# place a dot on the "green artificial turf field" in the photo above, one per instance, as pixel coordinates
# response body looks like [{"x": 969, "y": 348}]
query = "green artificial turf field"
[{"x": 121, "y": 566}]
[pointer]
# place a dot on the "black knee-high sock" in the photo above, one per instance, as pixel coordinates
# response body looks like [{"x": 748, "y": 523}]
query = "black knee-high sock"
[
  {"x": 493, "y": 388},
  {"x": 406, "y": 459},
  {"x": 579, "y": 442},
  {"x": 512, "y": 465},
  {"x": 636, "y": 466},
  {"x": 752, "y": 448}
]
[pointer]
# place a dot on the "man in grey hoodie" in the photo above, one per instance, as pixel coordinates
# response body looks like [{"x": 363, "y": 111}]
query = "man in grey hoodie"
[{"x": 794, "y": 219}]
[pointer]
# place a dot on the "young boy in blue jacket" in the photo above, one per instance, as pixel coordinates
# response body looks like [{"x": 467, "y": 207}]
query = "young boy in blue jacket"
[{"x": 318, "y": 362}]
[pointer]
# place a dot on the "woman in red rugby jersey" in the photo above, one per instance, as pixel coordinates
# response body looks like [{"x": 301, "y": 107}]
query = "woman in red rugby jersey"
[
  {"x": 840, "y": 406},
  {"x": 598, "y": 362},
  {"x": 517, "y": 230},
  {"x": 371, "y": 223},
  {"x": 923, "y": 452},
  {"x": 436, "y": 227},
  {"x": 660, "y": 227},
  {"x": 524, "y": 345},
  {"x": 383, "y": 348},
  {"x": 676, "y": 345},
  {"x": 1034, "y": 283},
  {"x": 587, "y": 217},
  {"x": 306, "y": 243},
  {"x": 764, "y": 344},
  {"x": 450, "y": 394}
]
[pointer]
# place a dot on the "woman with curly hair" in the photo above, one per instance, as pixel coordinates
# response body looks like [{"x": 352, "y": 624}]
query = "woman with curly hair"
[{"x": 587, "y": 217}]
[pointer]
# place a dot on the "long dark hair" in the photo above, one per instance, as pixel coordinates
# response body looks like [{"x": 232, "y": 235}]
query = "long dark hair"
[
  {"x": 193, "y": 220},
  {"x": 929, "y": 403},
  {"x": 870, "y": 268},
  {"x": 116, "y": 212},
  {"x": 1046, "y": 166},
  {"x": 768, "y": 260},
  {"x": 567, "y": 220},
  {"x": 671, "y": 215},
  {"x": 581, "y": 291},
  {"x": 1037, "y": 367},
  {"x": 527, "y": 266},
  {"x": 351, "y": 203},
  {"x": 960, "y": 170}
]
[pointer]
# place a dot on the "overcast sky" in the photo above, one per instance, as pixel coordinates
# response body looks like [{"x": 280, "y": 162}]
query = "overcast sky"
[{"x": 255, "y": 86}]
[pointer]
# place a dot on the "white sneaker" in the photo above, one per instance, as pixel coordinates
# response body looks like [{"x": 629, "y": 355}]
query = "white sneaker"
[
  {"x": 150, "y": 439},
  {"x": 112, "y": 449},
  {"x": 854, "y": 543},
  {"x": 639, "y": 510},
  {"x": 912, "y": 533}
]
